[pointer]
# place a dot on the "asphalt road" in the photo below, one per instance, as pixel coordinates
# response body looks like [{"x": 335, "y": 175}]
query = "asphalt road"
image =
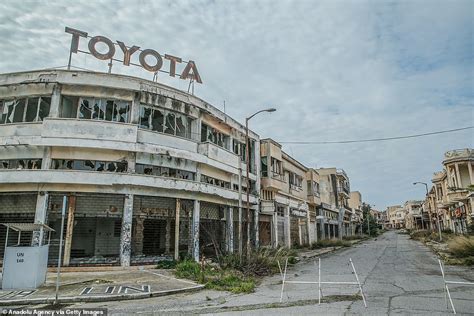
[{"x": 399, "y": 276}]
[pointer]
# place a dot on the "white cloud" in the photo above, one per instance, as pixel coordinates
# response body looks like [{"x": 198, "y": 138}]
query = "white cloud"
[{"x": 335, "y": 70}]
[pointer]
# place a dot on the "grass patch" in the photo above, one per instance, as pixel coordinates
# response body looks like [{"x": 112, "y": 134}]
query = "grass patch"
[{"x": 325, "y": 243}]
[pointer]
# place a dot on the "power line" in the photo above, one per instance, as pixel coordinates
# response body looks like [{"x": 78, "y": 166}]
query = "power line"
[{"x": 376, "y": 139}]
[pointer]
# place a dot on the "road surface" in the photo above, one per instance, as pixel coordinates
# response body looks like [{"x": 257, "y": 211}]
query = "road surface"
[{"x": 399, "y": 276}]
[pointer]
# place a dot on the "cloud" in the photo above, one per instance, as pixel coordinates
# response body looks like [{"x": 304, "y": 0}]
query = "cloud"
[{"x": 335, "y": 70}]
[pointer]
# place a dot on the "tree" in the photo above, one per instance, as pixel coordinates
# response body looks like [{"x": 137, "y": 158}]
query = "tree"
[{"x": 371, "y": 223}]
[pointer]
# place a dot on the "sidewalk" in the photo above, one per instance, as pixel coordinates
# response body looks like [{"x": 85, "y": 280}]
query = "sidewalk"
[{"x": 101, "y": 286}]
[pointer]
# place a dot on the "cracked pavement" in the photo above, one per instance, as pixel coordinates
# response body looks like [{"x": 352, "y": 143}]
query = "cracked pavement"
[{"x": 400, "y": 277}]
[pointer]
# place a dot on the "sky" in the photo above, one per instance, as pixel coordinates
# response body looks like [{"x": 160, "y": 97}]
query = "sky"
[{"x": 334, "y": 70}]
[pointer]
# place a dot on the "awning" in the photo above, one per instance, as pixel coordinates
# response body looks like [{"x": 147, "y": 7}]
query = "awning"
[{"x": 28, "y": 227}]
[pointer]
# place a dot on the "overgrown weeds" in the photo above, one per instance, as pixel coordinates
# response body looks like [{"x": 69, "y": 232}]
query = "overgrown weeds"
[
  {"x": 235, "y": 273},
  {"x": 325, "y": 243},
  {"x": 355, "y": 237},
  {"x": 166, "y": 264},
  {"x": 461, "y": 246}
]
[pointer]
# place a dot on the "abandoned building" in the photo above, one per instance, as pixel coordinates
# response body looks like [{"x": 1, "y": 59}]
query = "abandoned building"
[{"x": 148, "y": 170}]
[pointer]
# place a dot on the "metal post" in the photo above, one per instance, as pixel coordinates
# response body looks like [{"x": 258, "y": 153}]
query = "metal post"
[
  {"x": 319, "y": 281},
  {"x": 63, "y": 213},
  {"x": 283, "y": 281},
  {"x": 358, "y": 282},
  {"x": 446, "y": 286}
]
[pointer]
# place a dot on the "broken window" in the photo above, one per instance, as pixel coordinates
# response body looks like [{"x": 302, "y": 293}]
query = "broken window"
[
  {"x": 264, "y": 165},
  {"x": 8, "y": 109},
  {"x": 109, "y": 110},
  {"x": 170, "y": 123},
  {"x": 181, "y": 127},
  {"x": 4, "y": 164},
  {"x": 157, "y": 121},
  {"x": 99, "y": 109},
  {"x": 44, "y": 107},
  {"x": 100, "y": 166},
  {"x": 19, "y": 111},
  {"x": 145, "y": 113},
  {"x": 86, "y": 109},
  {"x": 212, "y": 135},
  {"x": 69, "y": 106},
  {"x": 122, "y": 110},
  {"x": 31, "y": 110}
]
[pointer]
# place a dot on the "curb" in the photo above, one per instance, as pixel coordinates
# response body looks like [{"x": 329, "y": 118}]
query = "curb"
[{"x": 99, "y": 298}]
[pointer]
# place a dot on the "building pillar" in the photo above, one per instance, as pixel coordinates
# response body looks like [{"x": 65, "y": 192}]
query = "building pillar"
[
  {"x": 300, "y": 233},
  {"x": 135, "y": 110},
  {"x": 69, "y": 229},
  {"x": 458, "y": 175},
  {"x": 275, "y": 229},
  {"x": 230, "y": 229},
  {"x": 195, "y": 230},
  {"x": 308, "y": 225},
  {"x": 126, "y": 234},
  {"x": 40, "y": 217},
  {"x": 256, "y": 225},
  {"x": 168, "y": 235},
  {"x": 287, "y": 227},
  {"x": 176, "y": 229},
  {"x": 55, "y": 101},
  {"x": 471, "y": 174}
]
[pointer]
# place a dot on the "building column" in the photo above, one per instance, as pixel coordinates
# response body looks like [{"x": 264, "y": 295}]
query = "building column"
[
  {"x": 69, "y": 229},
  {"x": 275, "y": 229},
  {"x": 256, "y": 225},
  {"x": 55, "y": 101},
  {"x": 471, "y": 174},
  {"x": 195, "y": 230},
  {"x": 230, "y": 229},
  {"x": 40, "y": 217},
  {"x": 135, "y": 110},
  {"x": 168, "y": 235},
  {"x": 126, "y": 234},
  {"x": 458, "y": 175},
  {"x": 287, "y": 227},
  {"x": 308, "y": 226},
  {"x": 300, "y": 233},
  {"x": 176, "y": 229}
]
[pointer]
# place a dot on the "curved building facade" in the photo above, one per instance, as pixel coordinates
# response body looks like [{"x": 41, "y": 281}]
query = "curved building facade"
[{"x": 148, "y": 170}]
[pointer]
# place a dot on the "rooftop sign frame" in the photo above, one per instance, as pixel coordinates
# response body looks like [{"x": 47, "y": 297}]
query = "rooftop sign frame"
[{"x": 190, "y": 71}]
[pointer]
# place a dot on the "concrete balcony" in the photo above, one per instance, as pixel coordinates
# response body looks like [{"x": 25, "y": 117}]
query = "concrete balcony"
[
  {"x": 272, "y": 183},
  {"x": 314, "y": 199},
  {"x": 217, "y": 153},
  {"x": 458, "y": 195},
  {"x": 114, "y": 183}
]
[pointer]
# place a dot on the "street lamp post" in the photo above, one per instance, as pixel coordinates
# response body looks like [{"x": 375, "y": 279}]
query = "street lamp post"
[
  {"x": 247, "y": 162},
  {"x": 429, "y": 214}
]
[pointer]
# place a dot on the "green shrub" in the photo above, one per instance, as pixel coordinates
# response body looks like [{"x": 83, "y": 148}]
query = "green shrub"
[
  {"x": 354, "y": 237},
  {"x": 166, "y": 264},
  {"x": 461, "y": 246}
]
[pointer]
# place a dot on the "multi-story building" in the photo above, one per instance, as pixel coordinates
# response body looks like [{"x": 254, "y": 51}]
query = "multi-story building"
[
  {"x": 414, "y": 213},
  {"x": 284, "y": 216},
  {"x": 314, "y": 203},
  {"x": 396, "y": 216},
  {"x": 355, "y": 203},
  {"x": 450, "y": 202},
  {"x": 147, "y": 169},
  {"x": 335, "y": 190}
]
